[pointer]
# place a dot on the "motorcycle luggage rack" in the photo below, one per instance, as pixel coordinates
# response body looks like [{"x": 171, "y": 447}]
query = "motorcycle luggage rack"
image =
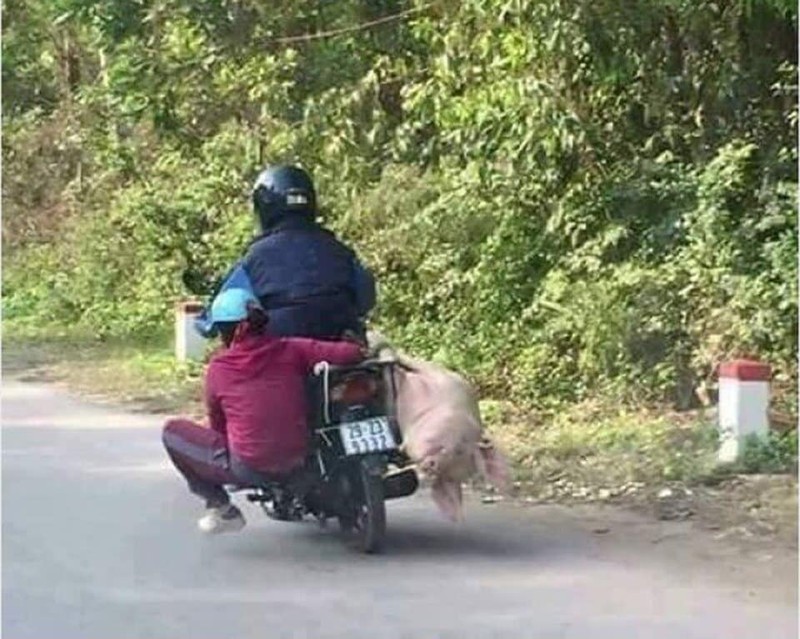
[{"x": 324, "y": 369}]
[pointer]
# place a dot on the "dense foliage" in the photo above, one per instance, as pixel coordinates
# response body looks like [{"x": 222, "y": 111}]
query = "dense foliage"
[{"x": 562, "y": 198}]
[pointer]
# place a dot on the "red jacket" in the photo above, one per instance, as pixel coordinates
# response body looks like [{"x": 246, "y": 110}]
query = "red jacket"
[{"x": 255, "y": 395}]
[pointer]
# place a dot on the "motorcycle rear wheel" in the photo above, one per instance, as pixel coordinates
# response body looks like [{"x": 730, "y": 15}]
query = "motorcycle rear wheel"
[{"x": 366, "y": 522}]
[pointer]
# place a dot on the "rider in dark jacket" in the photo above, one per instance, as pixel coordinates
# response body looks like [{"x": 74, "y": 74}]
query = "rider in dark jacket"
[{"x": 310, "y": 283}]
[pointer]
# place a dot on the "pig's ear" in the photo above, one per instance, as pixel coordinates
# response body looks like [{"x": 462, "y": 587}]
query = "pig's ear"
[
  {"x": 447, "y": 496},
  {"x": 493, "y": 465}
]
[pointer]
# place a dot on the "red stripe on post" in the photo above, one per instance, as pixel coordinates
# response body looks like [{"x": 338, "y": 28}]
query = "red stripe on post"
[
  {"x": 745, "y": 370},
  {"x": 189, "y": 306}
]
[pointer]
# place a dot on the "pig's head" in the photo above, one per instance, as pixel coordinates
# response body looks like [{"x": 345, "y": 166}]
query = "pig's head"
[
  {"x": 443, "y": 452},
  {"x": 461, "y": 460}
]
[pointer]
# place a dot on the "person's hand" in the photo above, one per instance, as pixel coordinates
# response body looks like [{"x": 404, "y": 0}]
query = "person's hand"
[
  {"x": 351, "y": 336},
  {"x": 319, "y": 367},
  {"x": 354, "y": 338}
]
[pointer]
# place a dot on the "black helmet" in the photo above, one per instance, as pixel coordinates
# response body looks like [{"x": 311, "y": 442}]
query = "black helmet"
[{"x": 280, "y": 190}]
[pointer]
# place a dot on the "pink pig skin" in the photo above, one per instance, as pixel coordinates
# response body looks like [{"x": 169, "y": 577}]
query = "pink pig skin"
[{"x": 438, "y": 414}]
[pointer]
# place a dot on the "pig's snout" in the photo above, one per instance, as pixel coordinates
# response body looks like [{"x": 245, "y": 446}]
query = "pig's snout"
[{"x": 429, "y": 466}]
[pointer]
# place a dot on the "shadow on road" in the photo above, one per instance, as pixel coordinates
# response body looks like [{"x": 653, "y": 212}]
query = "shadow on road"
[
  {"x": 417, "y": 540},
  {"x": 424, "y": 538}
]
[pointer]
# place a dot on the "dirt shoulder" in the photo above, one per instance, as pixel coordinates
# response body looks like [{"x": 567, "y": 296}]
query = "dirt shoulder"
[
  {"x": 750, "y": 511},
  {"x": 654, "y": 465},
  {"x": 143, "y": 377}
]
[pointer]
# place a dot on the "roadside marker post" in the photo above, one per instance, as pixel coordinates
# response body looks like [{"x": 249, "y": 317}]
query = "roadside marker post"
[
  {"x": 743, "y": 405},
  {"x": 189, "y": 345}
]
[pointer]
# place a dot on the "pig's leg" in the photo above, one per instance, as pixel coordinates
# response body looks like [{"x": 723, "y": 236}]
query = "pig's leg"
[
  {"x": 492, "y": 465},
  {"x": 446, "y": 494}
]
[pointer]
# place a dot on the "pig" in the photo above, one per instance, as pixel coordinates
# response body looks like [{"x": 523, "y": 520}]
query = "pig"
[{"x": 438, "y": 415}]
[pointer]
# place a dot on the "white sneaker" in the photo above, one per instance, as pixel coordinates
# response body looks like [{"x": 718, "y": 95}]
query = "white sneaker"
[{"x": 224, "y": 519}]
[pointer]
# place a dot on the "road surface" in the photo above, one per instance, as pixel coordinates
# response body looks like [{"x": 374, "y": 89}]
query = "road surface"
[{"x": 99, "y": 541}]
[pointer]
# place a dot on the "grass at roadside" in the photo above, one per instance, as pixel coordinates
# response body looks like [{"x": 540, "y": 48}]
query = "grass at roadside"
[
  {"x": 595, "y": 452},
  {"x": 584, "y": 453}
]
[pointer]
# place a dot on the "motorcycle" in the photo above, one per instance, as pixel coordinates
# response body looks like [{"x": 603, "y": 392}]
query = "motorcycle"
[{"x": 356, "y": 461}]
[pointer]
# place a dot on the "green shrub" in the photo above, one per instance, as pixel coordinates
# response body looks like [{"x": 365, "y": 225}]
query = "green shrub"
[
  {"x": 565, "y": 202},
  {"x": 775, "y": 453}
]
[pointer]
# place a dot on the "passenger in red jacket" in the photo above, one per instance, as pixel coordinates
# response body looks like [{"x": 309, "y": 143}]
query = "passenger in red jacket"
[{"x": 256, "y": 404}]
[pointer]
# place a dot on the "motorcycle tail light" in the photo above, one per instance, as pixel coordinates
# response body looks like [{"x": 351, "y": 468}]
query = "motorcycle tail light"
[{"x": 357, "y": 391}]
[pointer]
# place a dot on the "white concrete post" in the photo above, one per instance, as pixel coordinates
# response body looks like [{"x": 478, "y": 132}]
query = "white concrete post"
[
  {"x": 189, "y": 345},
  {"x": 743, "y": 405}
]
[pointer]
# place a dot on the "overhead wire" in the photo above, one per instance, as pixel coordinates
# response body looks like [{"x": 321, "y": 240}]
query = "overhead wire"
[{"x": 332, "y": 33}]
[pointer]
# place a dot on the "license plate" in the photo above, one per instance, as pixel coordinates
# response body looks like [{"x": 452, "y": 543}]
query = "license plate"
[{"x": 367, "y": 436}]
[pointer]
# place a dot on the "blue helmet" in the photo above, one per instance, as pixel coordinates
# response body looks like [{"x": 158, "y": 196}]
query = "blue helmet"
[
  {"x": 232, "y": 305},
  {"x": 281, "y": 190}
]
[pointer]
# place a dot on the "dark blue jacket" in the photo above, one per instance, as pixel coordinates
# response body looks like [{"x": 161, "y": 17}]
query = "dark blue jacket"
[{"x": 310, "y": 283}]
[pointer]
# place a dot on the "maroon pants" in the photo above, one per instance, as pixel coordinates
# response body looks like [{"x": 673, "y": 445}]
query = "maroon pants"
[{"x": 201, "y": 456}]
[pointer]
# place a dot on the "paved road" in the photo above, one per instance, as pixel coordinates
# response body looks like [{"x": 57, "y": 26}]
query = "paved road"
[{"x": 99, "y": 542}]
